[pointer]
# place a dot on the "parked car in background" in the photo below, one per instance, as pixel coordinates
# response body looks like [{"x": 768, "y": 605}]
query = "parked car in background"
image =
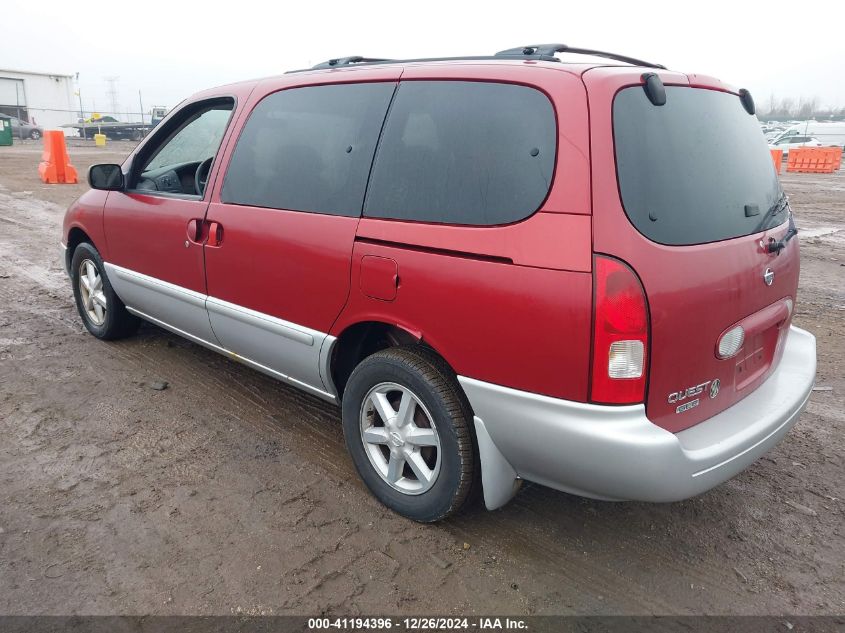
[
  {"x": 502, "y": 268},
  {"x": 785, "y": 143},
  {"x": 24, "y": 129},
  {"x": 825, "y": 132}
]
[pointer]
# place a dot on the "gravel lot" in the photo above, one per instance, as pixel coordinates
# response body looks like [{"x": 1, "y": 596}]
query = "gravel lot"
[{"x": 228, "y": 492}]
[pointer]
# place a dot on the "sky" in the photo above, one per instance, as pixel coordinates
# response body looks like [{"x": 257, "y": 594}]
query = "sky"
[{"x": 169, "y": 50}]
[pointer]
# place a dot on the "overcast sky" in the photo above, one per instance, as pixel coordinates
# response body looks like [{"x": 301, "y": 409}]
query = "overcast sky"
[{"x": 168, "y": 50}]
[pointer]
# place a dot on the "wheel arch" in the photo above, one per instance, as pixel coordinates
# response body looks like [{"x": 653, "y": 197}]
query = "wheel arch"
[
  {"x": 361, "y": 339},
  {"x": 75, "y": 236}
]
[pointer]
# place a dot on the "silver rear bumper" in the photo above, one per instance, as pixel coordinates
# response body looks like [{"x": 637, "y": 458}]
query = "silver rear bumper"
[{"x": 616, "y": 453}]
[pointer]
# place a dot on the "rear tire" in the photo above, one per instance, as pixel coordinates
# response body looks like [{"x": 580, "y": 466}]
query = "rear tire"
[
  {"x": 102, "y": 311},
  {"x": 35, "y": 135},
  {"x": 421, "y": 461}
]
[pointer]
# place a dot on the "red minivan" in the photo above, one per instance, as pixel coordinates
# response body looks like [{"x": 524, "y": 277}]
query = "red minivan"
[{"x": 502, "y": 268}]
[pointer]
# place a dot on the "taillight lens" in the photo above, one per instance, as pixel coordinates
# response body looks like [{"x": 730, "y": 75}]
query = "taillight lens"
[{"x": 620, "y": 334}]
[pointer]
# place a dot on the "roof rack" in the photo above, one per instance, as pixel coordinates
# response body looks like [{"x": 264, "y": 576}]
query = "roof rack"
[
  {"x": 547, "y": 52},
  {"x": 542, "y": 52},
  {"x": 349, "y": 61}
]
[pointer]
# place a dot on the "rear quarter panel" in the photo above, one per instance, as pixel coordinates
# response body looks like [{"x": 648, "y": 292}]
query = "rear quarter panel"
[{"x": 524, "y": 327}]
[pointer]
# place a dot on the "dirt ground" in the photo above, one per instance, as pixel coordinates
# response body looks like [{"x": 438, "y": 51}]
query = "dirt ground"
[{"x": 229, "y": 492}]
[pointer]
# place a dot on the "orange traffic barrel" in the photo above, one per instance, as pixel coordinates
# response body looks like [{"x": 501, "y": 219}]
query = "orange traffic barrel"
[{"x": 55, "y": 164}]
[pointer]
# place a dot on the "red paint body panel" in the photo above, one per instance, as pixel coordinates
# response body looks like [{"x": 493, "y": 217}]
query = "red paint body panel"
[
  {"x": 694, "y": 292},
  {"x": 527, "y": 328},
  {"x": 546, "y": 240},
  {"x": 705, "y": 81},
  {"x": 87, "y": 214},
  {"x": 147, "y": 234},
  {"x": 288, "y": 264}
]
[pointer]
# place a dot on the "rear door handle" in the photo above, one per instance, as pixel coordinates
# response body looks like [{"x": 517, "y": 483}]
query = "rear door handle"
[{"x": 215, "y": 234}]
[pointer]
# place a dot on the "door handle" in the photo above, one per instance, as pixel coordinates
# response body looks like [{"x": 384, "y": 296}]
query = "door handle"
[
  {"x": 215, "y": 234},
  {"x": 194, "y": 230}
]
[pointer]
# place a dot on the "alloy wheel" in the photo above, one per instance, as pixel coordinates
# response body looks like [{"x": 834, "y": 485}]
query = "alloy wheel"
[
  {"x": 91, "y": 292},
  {"x": 400, "y": 438}
]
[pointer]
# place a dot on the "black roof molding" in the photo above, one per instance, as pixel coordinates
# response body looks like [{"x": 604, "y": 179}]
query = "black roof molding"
[{"x": 540, "y": 52}]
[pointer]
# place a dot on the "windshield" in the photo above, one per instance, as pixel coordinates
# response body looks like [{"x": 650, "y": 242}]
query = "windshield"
[{"x": 694, "y": 170}]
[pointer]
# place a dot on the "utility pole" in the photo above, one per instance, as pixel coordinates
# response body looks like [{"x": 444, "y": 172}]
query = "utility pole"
[
  {"x": 81, "y": 111},
  {"x": 141, "y": 103},
  {"x": 18, "y": 111}
]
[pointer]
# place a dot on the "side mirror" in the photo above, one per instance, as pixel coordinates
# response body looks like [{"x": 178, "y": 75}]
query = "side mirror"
[{"x": 106, "y": 177}]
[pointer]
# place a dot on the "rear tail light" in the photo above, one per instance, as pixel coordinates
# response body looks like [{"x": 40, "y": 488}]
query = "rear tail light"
[{"x": 620, "y": 334}]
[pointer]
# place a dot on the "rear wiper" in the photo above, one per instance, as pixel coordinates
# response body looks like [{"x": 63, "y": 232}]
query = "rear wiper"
[
  {"x": 779, "y": 205},
  {"x": 776, "y": 246}
]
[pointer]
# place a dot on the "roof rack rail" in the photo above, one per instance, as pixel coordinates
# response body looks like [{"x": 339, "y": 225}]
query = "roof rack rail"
[
  {"x": 349, "y": 61},
  {"x": 547, "y": 52},
  {"x": 543, "y": 52}
]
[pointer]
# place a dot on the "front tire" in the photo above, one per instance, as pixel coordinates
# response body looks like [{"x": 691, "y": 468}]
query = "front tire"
[
  {"x": 407, "y": 426},
  {"x": 35, "y": 135},
  {"x": 102, "y": 311}
]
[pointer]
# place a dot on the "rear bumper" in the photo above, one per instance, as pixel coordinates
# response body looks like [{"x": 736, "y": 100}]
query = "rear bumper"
[{"x": 616, "y": 453}]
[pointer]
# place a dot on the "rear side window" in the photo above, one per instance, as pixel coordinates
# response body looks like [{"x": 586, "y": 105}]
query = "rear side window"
[
  {"x": 694, "y": 170},
  {"x": 463, "y": 153},
  {"x": 309, "y": 149}
]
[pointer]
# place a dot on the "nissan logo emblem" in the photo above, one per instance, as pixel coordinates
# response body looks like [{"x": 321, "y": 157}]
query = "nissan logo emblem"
[
  {"x": 769, "y": 276},
  {"x": 714, "y": 388}
]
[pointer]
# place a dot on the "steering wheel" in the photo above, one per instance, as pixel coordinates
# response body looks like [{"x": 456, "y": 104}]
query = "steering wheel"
[{"x": 201, "y": 175}]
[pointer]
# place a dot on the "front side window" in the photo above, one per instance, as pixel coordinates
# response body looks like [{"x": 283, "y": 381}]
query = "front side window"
[
  {"x": 309, "y": 149},
  {"x": 460, "y": 152},
  {"x": 180, "y": 161}
]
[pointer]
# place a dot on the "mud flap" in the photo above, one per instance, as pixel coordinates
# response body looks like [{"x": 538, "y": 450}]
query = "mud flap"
[{"x": 498, "y": 478}]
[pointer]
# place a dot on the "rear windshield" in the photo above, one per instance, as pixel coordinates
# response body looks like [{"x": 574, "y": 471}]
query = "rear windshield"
[{"x": 694, "y": 170}]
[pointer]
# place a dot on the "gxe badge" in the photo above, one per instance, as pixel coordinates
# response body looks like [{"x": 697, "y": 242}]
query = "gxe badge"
[
  {"x": 769, "y": 276},
  {"x": 678, "y": 397}
]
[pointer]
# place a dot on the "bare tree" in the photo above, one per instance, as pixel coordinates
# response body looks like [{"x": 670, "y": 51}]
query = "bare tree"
[{"x": 780, "y": 109}]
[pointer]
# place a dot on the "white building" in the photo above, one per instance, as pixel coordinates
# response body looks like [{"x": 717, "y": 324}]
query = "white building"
[{"x": 47, "y": 100}]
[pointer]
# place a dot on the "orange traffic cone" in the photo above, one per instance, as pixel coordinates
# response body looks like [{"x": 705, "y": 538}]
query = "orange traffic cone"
[{"x": 55, "y": 165}]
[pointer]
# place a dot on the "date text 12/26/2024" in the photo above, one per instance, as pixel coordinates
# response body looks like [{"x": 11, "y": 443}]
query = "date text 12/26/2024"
[{"x": 416, "y": 624}]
